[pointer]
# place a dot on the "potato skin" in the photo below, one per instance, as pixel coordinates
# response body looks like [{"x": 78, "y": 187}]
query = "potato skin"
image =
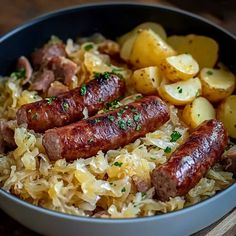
[
  {"x": 217, "y": 84},
  {"x": 146, "y": 80},
  {"x": 226, "y": 112},
  {"x": 149, "y": 49},
  {"x": 197, "y": 112}
]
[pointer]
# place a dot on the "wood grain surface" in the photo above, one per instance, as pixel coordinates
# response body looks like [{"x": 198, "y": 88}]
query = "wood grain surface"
[{"x": 16, "y": 12}]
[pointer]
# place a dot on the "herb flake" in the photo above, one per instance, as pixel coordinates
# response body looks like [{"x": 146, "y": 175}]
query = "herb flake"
[
  {"x": 175, "y": 136},
  {"x": 19, "y": 74},
  {"x": 117, "y": 163},
  {"x": 167, "y": 150},
  {"x": 83, "y": 90}
]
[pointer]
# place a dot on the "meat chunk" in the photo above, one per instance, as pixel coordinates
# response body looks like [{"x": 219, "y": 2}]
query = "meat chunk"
[
  {"x": 23, "y": 63},
  {"x": 140, "y": 184},
  {"x": 56, "y": 88},
  {"x": 42, "y": 55},
  {"x": 106, "y": 131},
  {"x": 191, "y": 161},
  {"x": 42, "y": 80}
]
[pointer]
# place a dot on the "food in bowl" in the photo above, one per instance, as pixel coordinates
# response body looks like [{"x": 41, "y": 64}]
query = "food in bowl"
[{"x": 118, "y": 129}]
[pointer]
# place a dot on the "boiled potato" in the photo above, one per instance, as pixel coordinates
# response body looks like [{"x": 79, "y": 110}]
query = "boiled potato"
[
  {"x": 217, "y": 84},
  {"x": 146, "y": 80},
  {"x": 198, "y": 111},
  {"x": 180, "y": 67},
  {"x": 157, "y": 28},
  {"x": 226, "y": 112},
  {"x": 127, "y": 47},
  {"x": 181, "y": 93},
  {"x": 149, "y": 49},
  {"x": 203, "y": 49}
]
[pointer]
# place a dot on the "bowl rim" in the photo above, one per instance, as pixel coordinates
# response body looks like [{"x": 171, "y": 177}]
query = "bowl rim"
[{"x": 87, "y": 219}]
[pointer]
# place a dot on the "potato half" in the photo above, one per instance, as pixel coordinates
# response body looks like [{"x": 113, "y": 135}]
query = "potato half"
[
  {"x": 181, "y": 93},
  {"x": 203, "y": 49},
  {"x": 146, "y": 80},
  {"x": 180, "y": 67},
  {"x": 198, "y": 111},
  {"x": 217, "y": 84},
  {"x": 149, "y": 49},
  {"x": 226, "y": 112},
  {"x": 157, "y": 28}
]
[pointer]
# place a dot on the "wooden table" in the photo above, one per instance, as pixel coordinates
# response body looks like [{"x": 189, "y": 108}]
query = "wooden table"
[{"x": 15, "y": 12}]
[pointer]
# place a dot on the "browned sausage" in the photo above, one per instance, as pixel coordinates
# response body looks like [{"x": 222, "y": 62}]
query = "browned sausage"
[
  {"x": 69, "y": 107},
  {"x": 106, "y": 131},
  {"x": 190, "y": 162}
]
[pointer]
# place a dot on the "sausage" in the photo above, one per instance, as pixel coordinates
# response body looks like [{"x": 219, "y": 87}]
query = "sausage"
[
  {"x": 69, "y": 106},
  {"x": 106, "y": 131},
  {"x": 191, "y": 160}
]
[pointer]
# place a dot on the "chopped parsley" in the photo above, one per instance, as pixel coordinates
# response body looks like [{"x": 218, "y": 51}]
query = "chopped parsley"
[
  {"x": 83, "y": 90},
  {"x": 118, "y": 163},
  {"x": 138, "y": 97},
  {"x": 138, "y": 127},
  {"x": 19, "y": 74},
  {"x": 65, "y": 106},
  {"x": 180, "y": 90},
  {"x": 137, "y": 117},
  {"x": 122, "y": 124},
  {"x": 98, "y": 75},
  {"x": 129, "y": 122},
  {"x": 167, "y": 150},
  {"x": 123, "y": 189},
  {"x": 143, "y": 194},
  {"x": 87, "y": 47},
  {"x": 133, "y": 109},
  {"x": 116, "y": 72},
  {"x": 113, "y": 104},
  {"x": 50, "y": 99},
  {"x": 97, "y": 121},
  {"x": 198, "y": 115},
  {"x": 209, "y": 72},
  {"x": 120, "y": 112},
  {"x": 111, "y": 118},
  {"x": 175, "y": 136}
]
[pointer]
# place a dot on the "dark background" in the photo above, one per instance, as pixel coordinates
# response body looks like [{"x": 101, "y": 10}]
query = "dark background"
[{"x": 16, "y": 12}]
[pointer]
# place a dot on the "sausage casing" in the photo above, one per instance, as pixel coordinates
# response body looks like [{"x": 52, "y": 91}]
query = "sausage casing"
[
  {"x": 106, "y": 131},
  {"x": 191, "y": 160},
  {"x": 70, "y": 106}
]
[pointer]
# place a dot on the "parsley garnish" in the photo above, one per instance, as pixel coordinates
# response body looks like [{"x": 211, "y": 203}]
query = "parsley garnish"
[
  {"x": 129, "y": 122},
  {"x": 19, "y": 74},
  {"x": 83, "y": 90},
  {"x": 122, "y": 124},
  {"x": 180, "y": 90},
  {"x": 111, "y": 118},
  {"x": 113, "y": 104},
  {"x": 133, "y": 109},
  {"x": 144, "y": 194},
  {"x": 120, "y": 112},
  {"x": 209, "y": 72},
  {"x": 137, "y": 117},
  {"x": 167, "y": 150},
  {"x": 138, "y": 127},
  {"x": 118, "y": 163},
  {"x": 138, "y": 97},
  {"x": 49, "y": 100},
  {"x": 65, "y": 106},
  {"x": 87, "y": 47},
  {"x": 175, "y": 136},
  {"x": 123, "y": 190},
  {"x": 97, "y": 121}
]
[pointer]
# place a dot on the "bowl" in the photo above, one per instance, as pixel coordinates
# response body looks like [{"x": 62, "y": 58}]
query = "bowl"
[{"x": 113, "y": 20}]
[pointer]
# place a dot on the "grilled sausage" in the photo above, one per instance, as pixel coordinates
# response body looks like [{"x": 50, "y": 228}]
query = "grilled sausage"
[
  {"x": 190, "y": 162},
  {"x": 106, "y": 131},
  {"x": 69, "y": 106}
]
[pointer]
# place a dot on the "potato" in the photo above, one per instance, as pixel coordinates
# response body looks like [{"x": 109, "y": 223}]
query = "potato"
[
  {"x": 217, "y": 84},
  {"x": 203, "y": 49},
  {"x": 226, "y": 112},
  {"x": 146, "y": 80},
  {"x": 180, "y": 67},
  {"x": 157, "y": 28},
  {"x": 149, "y": 49},
  {"x": 198, "y": 111},
  {"x": 181, "y": 93},
  {"x": 127, "y": 47}
]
